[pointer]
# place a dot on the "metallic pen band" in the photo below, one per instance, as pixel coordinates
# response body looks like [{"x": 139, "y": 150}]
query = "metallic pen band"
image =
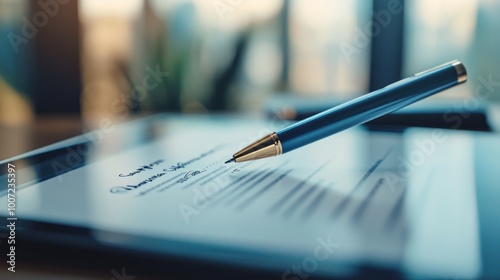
[
  {"x": 277, "y": 143},
  {"x": 461, "y": 72},
  {"x": 267, "y": 146}
]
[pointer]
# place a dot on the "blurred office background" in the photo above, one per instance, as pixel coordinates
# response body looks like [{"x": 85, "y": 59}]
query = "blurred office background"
[{"x": 120, "y": 58}]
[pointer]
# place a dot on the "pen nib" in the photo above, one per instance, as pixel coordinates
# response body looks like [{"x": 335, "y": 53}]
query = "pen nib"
[{"x": 231, "y": 160}]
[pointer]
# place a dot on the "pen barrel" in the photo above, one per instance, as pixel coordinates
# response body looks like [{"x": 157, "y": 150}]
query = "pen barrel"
[{"x": 372, "y": 105}]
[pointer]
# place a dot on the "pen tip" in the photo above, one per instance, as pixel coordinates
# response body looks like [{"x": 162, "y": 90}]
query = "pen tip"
[{"x": 231, "y": 160}]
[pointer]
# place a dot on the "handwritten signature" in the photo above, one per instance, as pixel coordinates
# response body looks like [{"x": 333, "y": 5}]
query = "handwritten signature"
[
  {"x": 172, "y": 168},
  {"x": 190, "y": 175},
  {"x": 186, "y": 163},
  {"x": 142, "y": 168},
  {"x": 175, "y": 167}
]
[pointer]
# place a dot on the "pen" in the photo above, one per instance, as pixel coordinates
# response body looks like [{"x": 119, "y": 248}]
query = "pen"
[{"x": 357, "y": 111}]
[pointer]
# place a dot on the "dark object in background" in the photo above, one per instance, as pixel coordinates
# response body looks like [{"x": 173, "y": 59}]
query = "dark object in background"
[
  {"x": 438, "y": 114},
  {"x": 223, "y": 82},
  {"x": 386, "y": 53},
  {"x": 56, "y": 52}
]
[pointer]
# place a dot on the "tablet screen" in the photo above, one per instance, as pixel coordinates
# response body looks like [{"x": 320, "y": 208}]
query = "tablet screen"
[{"x": 341, "y": 201}]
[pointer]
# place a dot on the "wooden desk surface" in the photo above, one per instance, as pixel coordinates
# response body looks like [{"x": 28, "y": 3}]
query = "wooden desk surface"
[{"x": 15, "y": 140}]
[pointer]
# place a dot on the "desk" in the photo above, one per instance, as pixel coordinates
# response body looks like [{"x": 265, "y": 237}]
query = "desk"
[
  {"x": 15, "y": 140},
  {"x": 101, "y": 265}
]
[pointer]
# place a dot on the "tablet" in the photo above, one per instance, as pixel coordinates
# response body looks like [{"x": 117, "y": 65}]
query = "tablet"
[{"x": 404, "y": 203}]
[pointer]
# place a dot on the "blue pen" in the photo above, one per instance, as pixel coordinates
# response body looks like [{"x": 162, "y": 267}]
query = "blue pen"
[{"x": 355, "y": 112}]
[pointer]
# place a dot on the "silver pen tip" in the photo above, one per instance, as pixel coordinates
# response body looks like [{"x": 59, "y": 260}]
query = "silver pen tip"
[{"x": 231, "y": 160}]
